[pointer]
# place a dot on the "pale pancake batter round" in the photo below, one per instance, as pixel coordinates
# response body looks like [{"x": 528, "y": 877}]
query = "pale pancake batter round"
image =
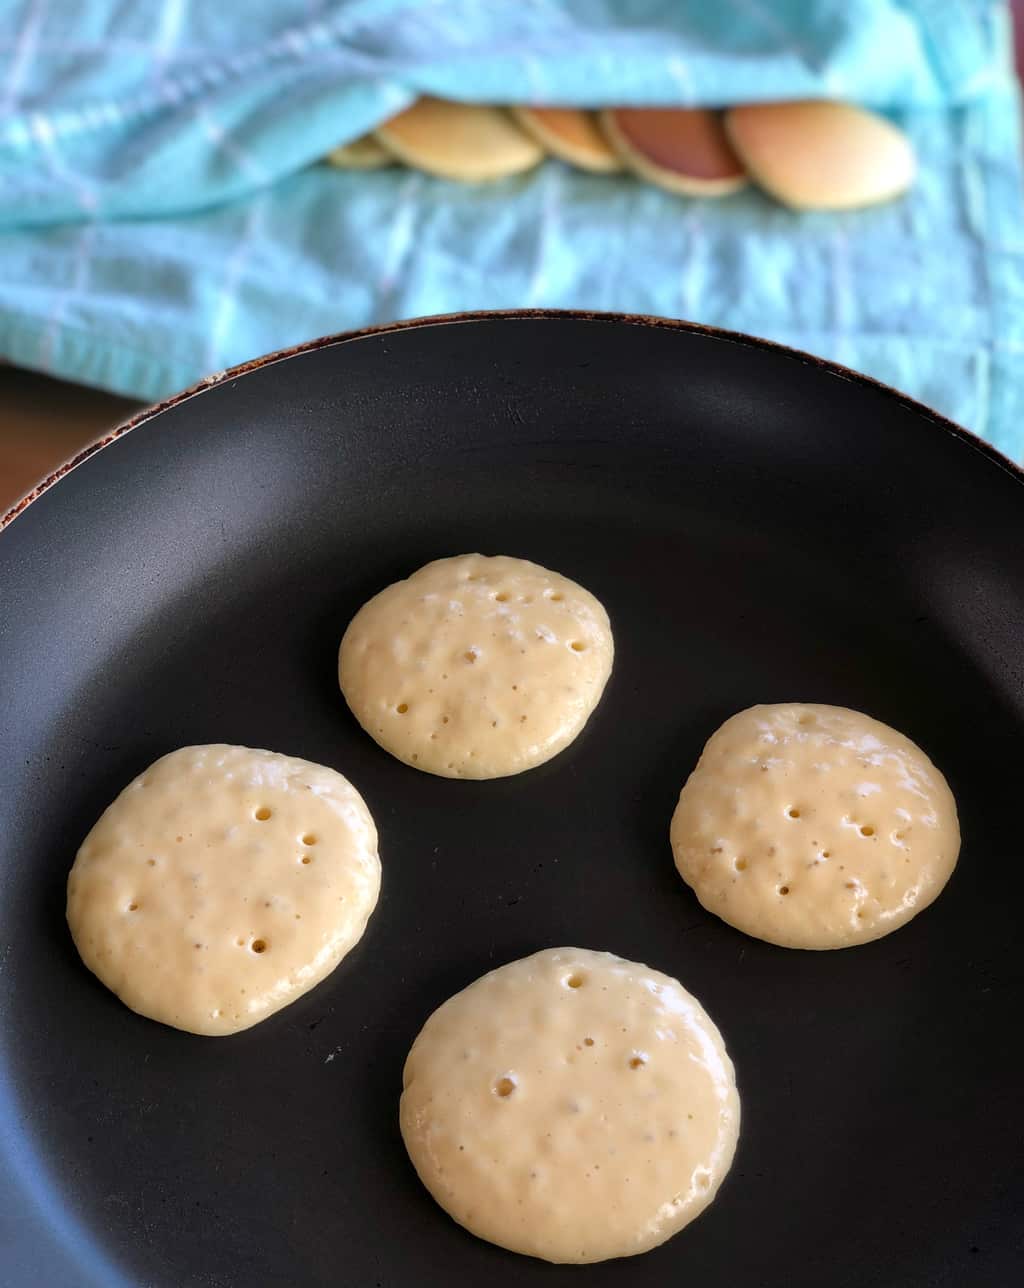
[
  {"x": 572, "y": 1106},
  {"x": 814, "y": 826},
  {"x": 222, "y": 884},
  {"x": 476, "y": 666}
]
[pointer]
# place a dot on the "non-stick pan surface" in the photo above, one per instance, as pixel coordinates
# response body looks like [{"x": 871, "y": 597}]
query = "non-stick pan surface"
[{"x": 762, "y": 527}]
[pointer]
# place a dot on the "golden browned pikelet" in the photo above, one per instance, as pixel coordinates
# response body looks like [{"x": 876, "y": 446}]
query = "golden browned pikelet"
[
  {"x": 684, "y": 150},
  {"x": 572, "y": 135},
  {"x": 820, "y": 155},
  {"x": 364, "y": 153},
  {"x": 459, "y": 140}
]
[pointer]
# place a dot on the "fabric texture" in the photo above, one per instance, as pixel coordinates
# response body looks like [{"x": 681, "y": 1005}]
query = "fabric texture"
[{"x": 163, "y": 211}]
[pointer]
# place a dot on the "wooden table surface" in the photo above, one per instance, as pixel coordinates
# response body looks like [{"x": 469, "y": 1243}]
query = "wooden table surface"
[{"x": 44, "y": 422}]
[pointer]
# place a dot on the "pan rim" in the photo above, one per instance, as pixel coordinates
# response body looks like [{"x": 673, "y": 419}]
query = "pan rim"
[{"x": 141, "y": 417}]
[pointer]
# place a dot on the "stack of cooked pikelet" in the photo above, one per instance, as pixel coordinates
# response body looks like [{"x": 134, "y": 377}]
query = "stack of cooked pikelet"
[{"x": 810, "y": 155}]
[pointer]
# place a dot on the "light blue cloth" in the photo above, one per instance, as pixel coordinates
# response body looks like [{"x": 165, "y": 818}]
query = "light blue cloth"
[{"x": 162, "y": 214}]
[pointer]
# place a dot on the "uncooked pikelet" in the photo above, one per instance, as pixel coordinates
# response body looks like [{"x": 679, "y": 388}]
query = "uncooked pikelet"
[
  {"x": 814, "y": 826},
  {"x": 222, "y": 884},
  {"x": 476, "y": 666},
  {"x": 572, "y": 1106}
]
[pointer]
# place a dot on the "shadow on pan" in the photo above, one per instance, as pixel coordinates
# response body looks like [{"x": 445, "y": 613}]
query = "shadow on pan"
[{"x": 761, "y": 527}]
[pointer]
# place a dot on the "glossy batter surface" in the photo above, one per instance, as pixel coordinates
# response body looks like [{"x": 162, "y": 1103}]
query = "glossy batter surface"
[
  {"x": 572, "y": 1106},
  {"x": 476, "y": 666},
  {"x": 814, "y": 826},
  {"x": 222, "y": 884}
]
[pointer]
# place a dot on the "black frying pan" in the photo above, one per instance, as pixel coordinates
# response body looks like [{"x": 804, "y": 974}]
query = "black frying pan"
[{"x": 761, "y": 527}]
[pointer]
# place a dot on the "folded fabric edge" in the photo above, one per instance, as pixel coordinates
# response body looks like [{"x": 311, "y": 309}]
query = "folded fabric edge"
[{"x": 69, "y": 353}]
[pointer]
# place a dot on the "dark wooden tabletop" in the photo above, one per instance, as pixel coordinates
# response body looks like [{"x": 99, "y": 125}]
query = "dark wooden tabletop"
[{"x": 44, "y": 422}]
